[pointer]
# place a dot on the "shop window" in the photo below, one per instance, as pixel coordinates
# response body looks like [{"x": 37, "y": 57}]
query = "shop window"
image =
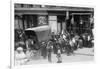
[
  {"x": 42, "y": 20},
  {"x": 79, "y": 24}
]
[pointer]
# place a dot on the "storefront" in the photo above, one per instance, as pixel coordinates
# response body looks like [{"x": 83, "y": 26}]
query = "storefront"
[
  {"x": 81, "y": 23},
  {"x": 57, "y": 17}
]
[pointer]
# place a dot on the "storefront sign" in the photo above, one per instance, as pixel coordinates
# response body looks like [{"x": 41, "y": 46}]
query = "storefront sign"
[{"x": 52, "y": 18}]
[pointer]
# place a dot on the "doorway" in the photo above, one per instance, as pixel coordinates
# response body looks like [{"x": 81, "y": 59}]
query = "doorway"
[
  {"x": 61, "y": 23},
  {"x": 30, "y": 21}
]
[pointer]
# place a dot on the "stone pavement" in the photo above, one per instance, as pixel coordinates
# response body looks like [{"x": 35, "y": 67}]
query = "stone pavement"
[
  {"x": 84, "y": 54},
  {"x": 85, "y": 51}
]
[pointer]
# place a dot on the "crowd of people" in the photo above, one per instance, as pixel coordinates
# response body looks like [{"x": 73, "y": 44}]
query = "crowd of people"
[{"x": 59, "y": 44}]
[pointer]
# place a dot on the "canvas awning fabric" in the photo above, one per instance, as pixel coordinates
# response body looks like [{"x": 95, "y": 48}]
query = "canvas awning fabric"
[{"x": 40, "y": 28}]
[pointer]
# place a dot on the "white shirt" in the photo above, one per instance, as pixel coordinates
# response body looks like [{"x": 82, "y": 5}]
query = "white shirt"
[{"x": 20, "y": 58}]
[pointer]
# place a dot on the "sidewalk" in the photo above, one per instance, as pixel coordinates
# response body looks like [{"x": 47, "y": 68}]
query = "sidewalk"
[
  {"x": 85, "y": 51},
  {"x": 84, "y": 54}
]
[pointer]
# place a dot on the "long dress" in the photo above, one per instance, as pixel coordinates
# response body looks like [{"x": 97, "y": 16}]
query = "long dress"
[{"x": 44, "y": 51}]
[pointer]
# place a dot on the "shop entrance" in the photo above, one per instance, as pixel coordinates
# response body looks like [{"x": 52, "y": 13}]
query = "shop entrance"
[
  {"x": 61, "y": 23},
  {"x": 81, "y": 24}
]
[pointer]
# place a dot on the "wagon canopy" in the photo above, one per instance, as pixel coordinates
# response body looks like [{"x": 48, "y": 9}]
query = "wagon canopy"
[{"x": 42, "y": 32}]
